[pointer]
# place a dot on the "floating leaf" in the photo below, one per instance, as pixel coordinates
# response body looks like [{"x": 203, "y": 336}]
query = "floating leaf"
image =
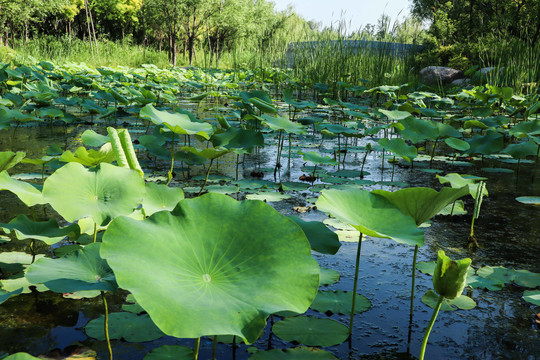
[
  {"x": 311, "y": 331},
  {"x": 124, "y": 325},
  {"x": 427, "y": 267},
  {"x": 462, "y": 302},
  {"x": 531, "y": 200},
  {"x": 328, "y": 277},
  {"x": 532, "y": 296},
  {"x": 170, "y": 352},
  {"x": 211, "y": 273},
  {"x": 498, "y": 273},
  {"x": 339, "y": 302}
]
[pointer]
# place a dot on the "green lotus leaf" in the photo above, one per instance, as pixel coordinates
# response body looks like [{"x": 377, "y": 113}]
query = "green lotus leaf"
[
  {"x": 90, "y": 157},
  {"x": 457, "y": 144},
  {"x": 177, "y": 123},
  {"x": 207, "y": 153},
  {"x": 211, "y": 273},
  {"x": 526, "y": 278},
  {"x": 371, "y": 214},
  {"x": 26, "y": 192},
  {"x": 4, "y": 295},
  {"x": 422, "y": 203},
  {"x": 532, "y": 296},
  {"x": 278, "y": 123},
  {"x": 417, "y": 130},
  {"x": 311, "y": 331},
  {"x": 79, "y": 271},
  {"x": 336, "y": 129},
  {"x": 236, "y": 138},
  {"x": 525, "y": 128},
  {"x": 299, "y": 353},
  {"x": 462, "y": 302},
  {"x": 160, "y": 197},
  {"x": 339, "y": 302},
  {"x": 265, "y": 107},
  {"x": 43, "y": 161},
  {"x": 427, "y": 267},
  {"x": 316, "y": 159},
  {"x": 457, "y": 208},
  {"x": 154, "y": 145},
  {"x": 395, "y": 115},
  {"x": 399, "y": 148},
  {"x": 170, "y": 352},
  {"x": 21, "y": 356},
  {"x": 460, "y": 180},
  {"x": 483, "y": 283},
  {"x": 328, "y": 277},
  {"x": 321, "y": 238},
  {"x": 268, "y": 196},
  {"x": 531, "y": 200},
  {"x": 15, "y": 284},
  {"x": 490, "y": 143},
  {"x": 498, "y": 273},
  {"x": 9, "y": 159},
  {"x": 287, "y": 97},
  {"x": 101, "y": 193},
  {"x": 521, "y": 150},
  {"x": 124, "y": 325},
  {"x": 46, "y": 231}
]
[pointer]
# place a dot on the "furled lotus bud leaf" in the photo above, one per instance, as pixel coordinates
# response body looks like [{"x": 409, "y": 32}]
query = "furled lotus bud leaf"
[{"x": 450, "y": 276}]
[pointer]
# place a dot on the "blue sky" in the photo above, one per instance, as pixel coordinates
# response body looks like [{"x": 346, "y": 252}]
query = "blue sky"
[{"x": 358, "y": 12}]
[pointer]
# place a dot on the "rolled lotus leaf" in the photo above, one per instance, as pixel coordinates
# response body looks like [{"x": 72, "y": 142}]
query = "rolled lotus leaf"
[
  {"x": 213, "y": 266},
  {"x": 450, "y": 276}
]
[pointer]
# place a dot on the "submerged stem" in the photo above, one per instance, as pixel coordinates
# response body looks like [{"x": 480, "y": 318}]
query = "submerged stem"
[
  {"x": 214, "y": 347},
  {"x": 107, "y": 325},
  {"x": 428, "y": 330},
  {"x": 355, "y": 284}
]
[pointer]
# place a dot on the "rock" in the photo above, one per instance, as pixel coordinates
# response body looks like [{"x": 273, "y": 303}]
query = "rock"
[
  {"x": 486, "y": 70},
  {"x": 460, "y": 82},
  {"x": 435, "y": 74}
]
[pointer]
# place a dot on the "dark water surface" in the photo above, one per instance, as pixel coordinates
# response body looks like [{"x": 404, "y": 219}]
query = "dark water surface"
[{"x": 500, "y": 327}]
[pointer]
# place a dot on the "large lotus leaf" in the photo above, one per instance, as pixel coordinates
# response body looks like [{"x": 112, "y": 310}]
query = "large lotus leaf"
[
  {"x": 328, "y": 277},
  {"x": 237, "y": 138},
  {"x": 101, "y": 193},
  {"x": 78, "y": 271},
  {"x": 490, "y": 143},
  {"x": 311, "y": 331},
  {"x": 4, "y": 295},
  {"x": 521, "y": 150},
  {"x": 299, "y": 353},
  {"x": 399, "y": 148},
  {"x": 160, "y": 197},
  {"x": 26, "y": 192},
  {"x": 526, "y": 128},
  {"x": 457, "y": 144},
  {"x": 395, "y": 115},
  {"x": 339, "y": 302},
  {"x": 417, "y": 130},
  {"x": 46, "y": 231},
  {"x": 287, "y": 97},
  {"x": 21, "y": 356},
  {"x": 207, "y": 153},
  {"x": 371, "y": 214},
  {"x": 9, "y": 159},
  {"x": 177, "y": 123},
  {"x": 316, "y": 159},
  {"x": 278, "y": 123},
  {"x": 498, "y": 273},
  {"x": 526, "y": 278},
  {"x": 530, "y": 200},
  {"x": 336, "y": 129},
  {"x": 124, "y": 325},
  {"x": 154, "y": 145},
  {"x": 532, "y": 296},
  {"x": 422, "y": 203},
  {"x": 265, "y": 107},
  {"x": 211, "y": 273},
  {"x": 460, "y": 180},
  {"x": 321, "y": 238},
  {"x": 170, "y": 352},
  {"x": 446, "y": 130}
]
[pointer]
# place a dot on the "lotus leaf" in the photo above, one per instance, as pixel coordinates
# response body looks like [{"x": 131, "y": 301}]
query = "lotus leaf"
[
  {"x": 287, "y": 97},
  {"x": 265, "y": 107},
  {"x": 46, "y": 231},
  {"x": 207, "y": 153},
  {"x": 211, "y": 273},
  {"x": 339, "y": 302},
  {"x": 371, "y": 214},
  {"x": 90, "y": 157},
  {"x": 21, "y": 356},
  {"x": 299, "y": 353},
  {"x": 532, "y": 200},
  {"x": 4, "y": 295},
  {"x": 328, "y": 277},
  {"x": 498, "y": 273},
  {"x": 521, "y": 150},
  {"x": 490, "y": 143},
  {"x": 9, "y": 159},
  {"x": 395, "y": 115},
  {"x": 124, "y": 325},
  {"x": 321, "y": 238},
  {"x": 160, "y": 197},
  {"x": 26, "y": 192},
  {"x": 311, "y": 331},
  {"x": 457, "y": 144},
  {"x": 316, "y": 159},
  {"x": 532, "y": 296},
  {"x": 79, "y": 271},
  {"x": 399, "y": 148},
  {"x": 236, "y": 138},
  {"x": 278, "y": 123},
  {"x": 268, "y": 196},
  {"x": 101, "y": 193},
  {"x": 177, "y": 123},
  {"x": 170, "y": 352},
  {"x": 422, "y": 203},
  {"x": 462, "y": 302}
]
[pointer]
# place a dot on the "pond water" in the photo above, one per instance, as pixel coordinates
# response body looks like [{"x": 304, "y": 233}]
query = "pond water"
[{"x": 500, "y": 327}]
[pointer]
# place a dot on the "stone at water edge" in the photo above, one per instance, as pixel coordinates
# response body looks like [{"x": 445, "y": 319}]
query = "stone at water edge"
[{"x": 434, "y": 74}]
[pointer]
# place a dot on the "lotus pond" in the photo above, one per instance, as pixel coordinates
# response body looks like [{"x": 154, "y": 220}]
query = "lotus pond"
[{"x": 176, "y": 214}]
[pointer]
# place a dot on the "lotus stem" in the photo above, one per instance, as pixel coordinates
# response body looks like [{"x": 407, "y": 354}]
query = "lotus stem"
[
  {"x": 413, "y": 283},
  {"x": 430, "y": 326},
  {"x": 106, "y": 326},
  {"x": 206, "y": 178},
  {"x": 393, "y": 167},
  {"x": 170, "y": 174},
  {"x": 355, "y": 284},
  {"x": 214, "y": 347},
  {"x": 196, "y": 348},
  {"x": 95, "y": 231}
]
